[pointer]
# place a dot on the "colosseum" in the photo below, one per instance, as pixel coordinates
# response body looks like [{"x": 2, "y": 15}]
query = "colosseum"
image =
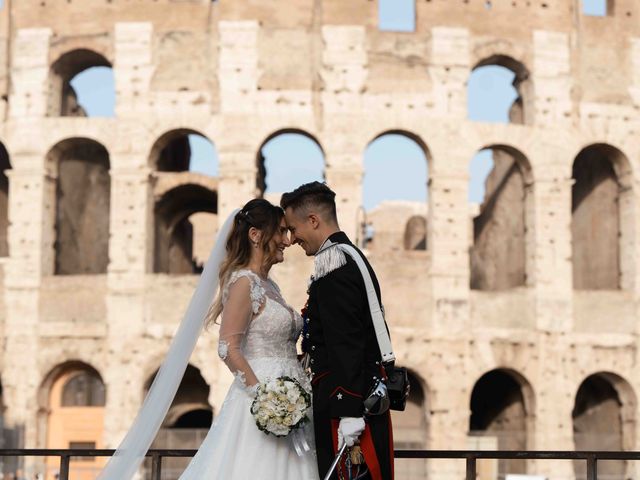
[{"x": 518, "y": 321}]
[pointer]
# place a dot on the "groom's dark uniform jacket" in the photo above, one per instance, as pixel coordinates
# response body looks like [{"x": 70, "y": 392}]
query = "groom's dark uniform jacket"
[{"x": 344, "y": 357}]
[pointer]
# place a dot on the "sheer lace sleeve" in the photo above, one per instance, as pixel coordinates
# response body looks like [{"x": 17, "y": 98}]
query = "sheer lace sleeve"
[{"x": 242, "y": 298}]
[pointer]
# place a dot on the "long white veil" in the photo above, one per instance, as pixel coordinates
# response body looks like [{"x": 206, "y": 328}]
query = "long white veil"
[{"x": 131, "y": 452}]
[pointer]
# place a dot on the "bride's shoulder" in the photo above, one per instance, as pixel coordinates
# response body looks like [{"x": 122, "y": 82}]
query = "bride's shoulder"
[
  {"x": 243, "y": 272},
  {"x": 256, "y": 291}
]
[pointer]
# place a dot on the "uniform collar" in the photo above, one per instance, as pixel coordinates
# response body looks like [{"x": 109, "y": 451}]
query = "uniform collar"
[{"x": 337, "y": 237}]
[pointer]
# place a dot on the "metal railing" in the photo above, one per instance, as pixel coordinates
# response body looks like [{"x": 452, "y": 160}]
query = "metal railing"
[{"x": 469, "y": 456}]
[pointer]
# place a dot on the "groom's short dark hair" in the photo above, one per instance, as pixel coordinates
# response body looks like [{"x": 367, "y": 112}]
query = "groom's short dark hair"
[{"x": 314, "y": 195}]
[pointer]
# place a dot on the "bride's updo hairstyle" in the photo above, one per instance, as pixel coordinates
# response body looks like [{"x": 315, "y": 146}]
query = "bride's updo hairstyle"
[{"x": 261, "y": 215}]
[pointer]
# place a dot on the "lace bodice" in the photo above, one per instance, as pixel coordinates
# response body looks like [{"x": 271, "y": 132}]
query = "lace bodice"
[{"x": 256, "y": 323}]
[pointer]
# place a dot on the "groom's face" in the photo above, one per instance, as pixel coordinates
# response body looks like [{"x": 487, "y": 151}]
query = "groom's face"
[{"x": 302, "y": 231}]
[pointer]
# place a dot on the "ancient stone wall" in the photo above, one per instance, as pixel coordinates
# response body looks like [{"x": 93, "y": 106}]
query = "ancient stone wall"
[{"x": 562, "y": 297}]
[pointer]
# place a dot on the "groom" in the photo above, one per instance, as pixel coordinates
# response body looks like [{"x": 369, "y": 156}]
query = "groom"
[{"x": 339, "y": 336}]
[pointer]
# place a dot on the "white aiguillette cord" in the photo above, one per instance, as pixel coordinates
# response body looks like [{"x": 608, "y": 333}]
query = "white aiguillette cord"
[{"x": 382, "y": 335}]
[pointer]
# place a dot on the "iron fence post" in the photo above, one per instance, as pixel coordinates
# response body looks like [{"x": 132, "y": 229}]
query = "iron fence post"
[
  {"x": 471, "y": 468},
  {"x": 156, "y": 466},
  {"x": 592, "y": 467},
  {"x": 64, "y": 467}
]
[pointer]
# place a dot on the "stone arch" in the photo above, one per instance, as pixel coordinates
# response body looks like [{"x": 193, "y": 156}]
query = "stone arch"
[
  {"x": 82, "y": 200},
  {"x": 63, "y": 370},
  {"x": 502, "y": 252},
  {"x": 410, "y": 135},
  {"x": 75, "y": 424},
  {"x": 261, "y": 159},
  {"x": 171, "y": 152},
  {"x": 522, "y": 109},
  {"x": 604, "y": 418},
  {"x": 5, "y": 165},
  {"x": 603, "y": 219},
  {"x": 188, "y": 419},
  {"x": 62, "y": 99},
  {"x": 174, "y": 232},
  {"x": 502, "y": 415},
  {"x": 387, "y": 205},
  {"x": 192, "y": 395},
  {"x": 415, "y": 233}
]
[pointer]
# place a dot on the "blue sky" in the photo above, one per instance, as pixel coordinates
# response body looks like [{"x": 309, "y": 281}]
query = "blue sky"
[
  {"x": 596, "y": 8},
  {"x": 395, "y": 167}
]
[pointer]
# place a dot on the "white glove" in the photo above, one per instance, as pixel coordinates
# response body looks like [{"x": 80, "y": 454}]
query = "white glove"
[{"x": 349, "y": 430}]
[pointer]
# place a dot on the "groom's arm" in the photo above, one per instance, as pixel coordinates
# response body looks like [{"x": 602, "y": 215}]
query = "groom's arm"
[{"x": 340, "y": 305}]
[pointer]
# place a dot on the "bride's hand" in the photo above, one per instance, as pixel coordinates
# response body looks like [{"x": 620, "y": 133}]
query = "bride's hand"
[{"x": 252, "y": 390}]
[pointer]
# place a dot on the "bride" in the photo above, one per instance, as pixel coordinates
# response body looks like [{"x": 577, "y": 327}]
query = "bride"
[{"x": 258, "y": 334}]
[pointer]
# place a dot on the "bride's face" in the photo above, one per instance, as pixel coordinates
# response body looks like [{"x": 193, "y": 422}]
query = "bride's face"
[{"x": 280, "y": 241}]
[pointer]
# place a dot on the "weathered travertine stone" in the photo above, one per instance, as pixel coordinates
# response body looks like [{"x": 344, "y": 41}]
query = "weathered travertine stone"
[{"x": 239, "y": 72}]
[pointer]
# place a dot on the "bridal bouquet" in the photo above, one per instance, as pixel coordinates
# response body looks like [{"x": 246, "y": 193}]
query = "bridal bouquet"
[{"x": 280, "y": 406}]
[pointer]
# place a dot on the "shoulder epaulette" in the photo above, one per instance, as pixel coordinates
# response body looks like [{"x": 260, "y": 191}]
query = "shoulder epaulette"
[{"x": 328, "y": 259}]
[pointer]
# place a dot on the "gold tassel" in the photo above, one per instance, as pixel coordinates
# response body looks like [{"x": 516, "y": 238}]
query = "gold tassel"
[{"x": 357, "y": 458}]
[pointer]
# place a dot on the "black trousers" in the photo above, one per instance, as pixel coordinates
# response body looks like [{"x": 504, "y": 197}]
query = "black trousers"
[{"x": 324, "y": 426}]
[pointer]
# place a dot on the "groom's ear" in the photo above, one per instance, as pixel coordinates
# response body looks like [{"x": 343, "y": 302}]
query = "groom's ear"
[{"x": 314, "y": 220}]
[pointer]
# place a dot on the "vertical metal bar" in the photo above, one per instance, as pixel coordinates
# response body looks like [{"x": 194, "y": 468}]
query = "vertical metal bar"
[
  {"x": 156, "y": 466},
  {"x": 64, "y": 467},
  {"x": 471, "y": 468},
  {"x": 592, "y": 467}
]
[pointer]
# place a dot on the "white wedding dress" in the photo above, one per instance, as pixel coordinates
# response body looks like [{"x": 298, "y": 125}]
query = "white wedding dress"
[{"x": 263, "y": 346}]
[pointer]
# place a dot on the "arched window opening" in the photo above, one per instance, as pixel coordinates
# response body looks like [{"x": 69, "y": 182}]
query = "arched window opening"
[
  {"x": 286, "y": 160},
  {"x": 190, "y": 405},
  {"x": 185, "y": 188},
  {"x": 186, "y": 222},
  {"x": 83, "y": 389},
  {"x": 81, "y": 83},
  {"x": 95, "y": 91},
  {"x": 501, "y": 196},
  {"x": 72, "y": 412},
  {"x": 499, "y": 90},
  {"x": 411, "y": 429},
  {"x": 5, "y": 165},
  {"x": 204, "y": 157},
  {"x": 184, "y": 150},
  {"x": 601, "y": 197},
  {"x": 394, "y": 191},
  {"x": 604, "y": 419},
  {"x": 199, "y": 418},
  {"x": 499, "y": 418},
  {"x": 188, "y": 420},
  {"x": 415, "y": 233},
  {"x": 83, "y": 196}
]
